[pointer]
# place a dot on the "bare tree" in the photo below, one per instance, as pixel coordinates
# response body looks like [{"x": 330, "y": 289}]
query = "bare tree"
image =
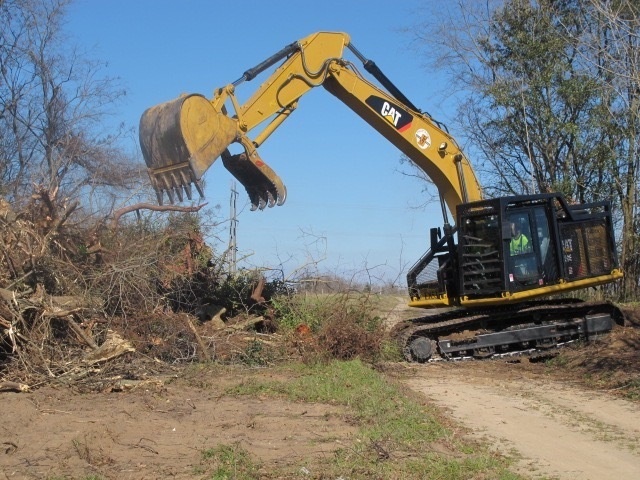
[
  {"x": 612, "y": 51},
  {"x": 53, "y": 100}
]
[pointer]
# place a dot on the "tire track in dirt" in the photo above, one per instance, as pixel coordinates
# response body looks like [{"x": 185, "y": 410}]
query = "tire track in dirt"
[{"x": 558, "y": 430}]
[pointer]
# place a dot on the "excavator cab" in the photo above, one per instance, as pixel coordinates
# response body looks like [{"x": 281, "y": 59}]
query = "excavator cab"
[{"x": 516, "y": 248}]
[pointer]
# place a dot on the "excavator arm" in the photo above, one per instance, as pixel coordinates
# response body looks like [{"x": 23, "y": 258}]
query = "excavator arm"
[{"x": 182, "y": 138}]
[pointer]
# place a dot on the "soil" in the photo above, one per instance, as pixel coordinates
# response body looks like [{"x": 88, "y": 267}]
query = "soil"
[
  {"x": 557, "y": 428},
  {"x": 565, "y": 419},
  {"x": 159, "y": 429}
]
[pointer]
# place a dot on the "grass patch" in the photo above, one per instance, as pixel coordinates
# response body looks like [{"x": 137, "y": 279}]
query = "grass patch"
[
  {"x": 632, "y": 390},
  {"x": 398, "y": 436},
  {"x": 227, "y": 462}
]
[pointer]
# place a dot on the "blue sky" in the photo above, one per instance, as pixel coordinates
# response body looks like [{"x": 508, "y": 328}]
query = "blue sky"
[{"x": 348, "y": 204}]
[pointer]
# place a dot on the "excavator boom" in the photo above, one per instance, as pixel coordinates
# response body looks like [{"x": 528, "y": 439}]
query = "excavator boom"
[{"x": 182, "y": 138}]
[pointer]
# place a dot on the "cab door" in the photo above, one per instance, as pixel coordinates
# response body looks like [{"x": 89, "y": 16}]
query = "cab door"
[
  {"x": 524, "y": 266},
  {"x": 548, "y": 257}
]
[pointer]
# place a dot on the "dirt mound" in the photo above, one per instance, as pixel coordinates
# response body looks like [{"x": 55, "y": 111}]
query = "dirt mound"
[
  {"x": 610, "y": 363},
  {"x": 631, "y": 316}
]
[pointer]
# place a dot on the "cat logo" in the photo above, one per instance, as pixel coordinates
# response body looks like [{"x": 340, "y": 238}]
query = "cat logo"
[{"x": 392, "y": 113}]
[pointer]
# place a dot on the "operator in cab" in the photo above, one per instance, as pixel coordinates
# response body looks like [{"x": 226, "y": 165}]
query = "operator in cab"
[{"x": 519, "y": 241}]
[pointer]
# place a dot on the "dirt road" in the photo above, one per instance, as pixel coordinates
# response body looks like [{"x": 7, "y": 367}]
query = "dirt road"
[{"x": 558, "y": 430}]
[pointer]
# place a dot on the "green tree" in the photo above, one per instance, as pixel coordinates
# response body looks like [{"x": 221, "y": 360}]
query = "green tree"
[{"x": 612, "y": 52}]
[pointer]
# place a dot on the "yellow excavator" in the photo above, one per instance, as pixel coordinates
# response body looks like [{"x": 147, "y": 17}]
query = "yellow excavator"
[{"x": 499, "y": 270}]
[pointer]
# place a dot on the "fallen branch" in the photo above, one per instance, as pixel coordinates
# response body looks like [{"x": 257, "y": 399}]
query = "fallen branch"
[
  {"x": 150, "y": 206},
  {"x": 68, "y": 316},
  {"x": 203, "y": 347},
  {"x": 258, "y": 339},
  {"x": 245, "y": 324},
  {"x": 81, "y": 333},
  {"x": 13, "y": 387},
  {"x": 113, "y": 347},
  {"x": 17, "y": 281}
]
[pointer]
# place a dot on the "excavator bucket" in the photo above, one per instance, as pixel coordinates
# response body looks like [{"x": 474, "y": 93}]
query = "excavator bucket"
[
  {"x": 263, "y": 185},
  {"x": 180, "y": 140}
]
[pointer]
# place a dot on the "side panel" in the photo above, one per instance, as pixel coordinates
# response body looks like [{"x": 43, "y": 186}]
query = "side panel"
[{"x": 585, "y": 249}]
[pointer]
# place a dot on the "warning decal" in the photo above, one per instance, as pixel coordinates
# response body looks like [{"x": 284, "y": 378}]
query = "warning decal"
[{"x": 423, "y": 139}]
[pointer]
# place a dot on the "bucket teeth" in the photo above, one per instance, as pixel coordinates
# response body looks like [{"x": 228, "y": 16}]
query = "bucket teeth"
[
  {"x": 170, "y": 195},
  {"x": 178, "y": 192},
  {"x": 187, "y": 190},
  {"x": 159, "y": 196},
  {"x": 175, "y": 182},
  {"x": 199, "y": 188},
  {"x": 263, "y": 185}
]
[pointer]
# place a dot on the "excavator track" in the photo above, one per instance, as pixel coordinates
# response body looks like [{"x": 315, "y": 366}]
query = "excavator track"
[{"x": 528, "y": 329}]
